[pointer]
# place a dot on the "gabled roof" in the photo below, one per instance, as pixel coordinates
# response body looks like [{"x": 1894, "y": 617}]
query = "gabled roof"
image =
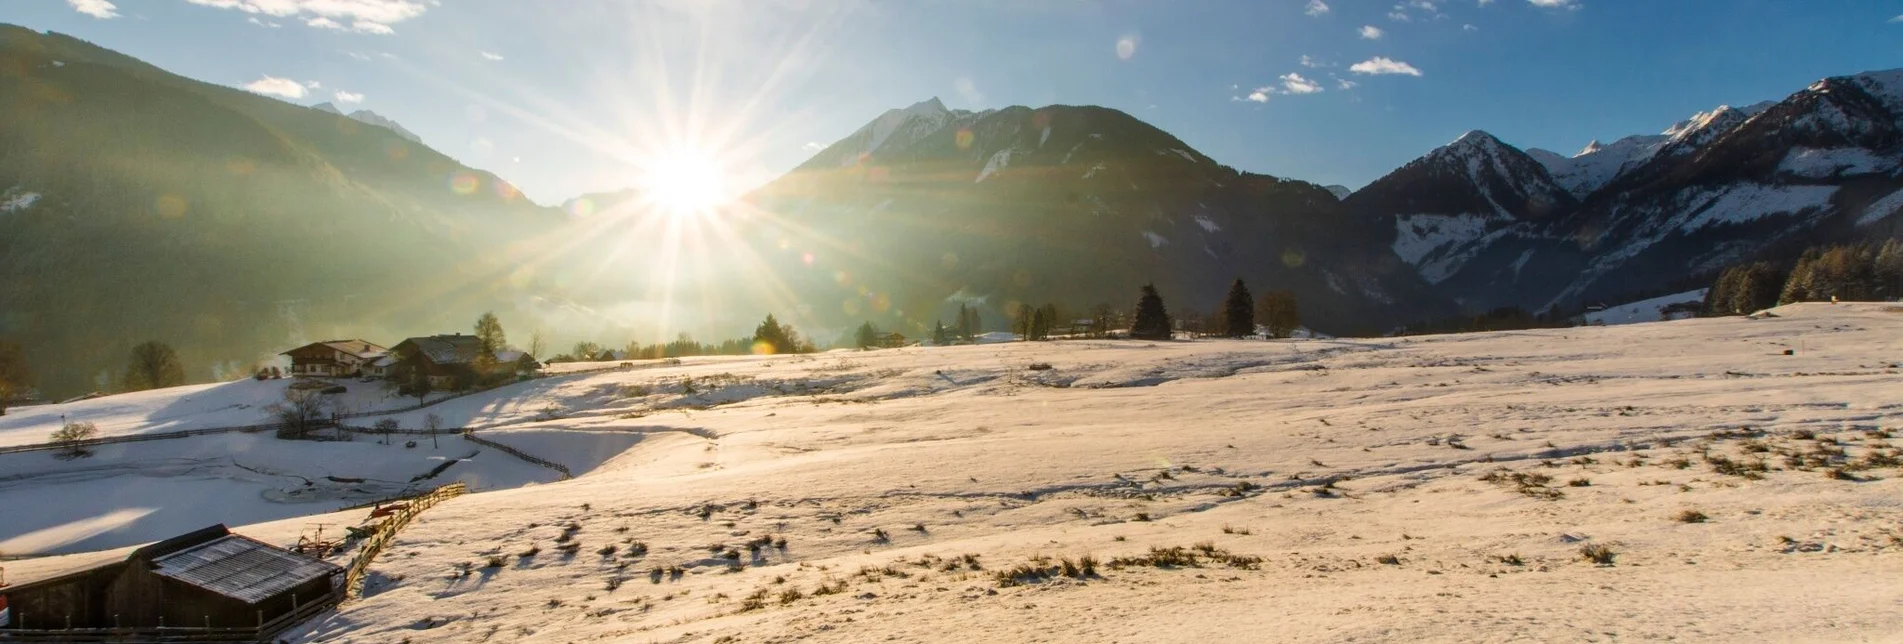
[
  {"x": 242, "y": 568},
  {"x": 360, "y": 348},
  {"x": 445, "y": 349}
]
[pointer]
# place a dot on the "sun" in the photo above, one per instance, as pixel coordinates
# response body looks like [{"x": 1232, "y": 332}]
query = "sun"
[{"x": 686, "y": 183}]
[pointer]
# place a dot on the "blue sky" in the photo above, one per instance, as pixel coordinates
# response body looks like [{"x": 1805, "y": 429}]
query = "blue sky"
[{"x": 569, "y": 96}]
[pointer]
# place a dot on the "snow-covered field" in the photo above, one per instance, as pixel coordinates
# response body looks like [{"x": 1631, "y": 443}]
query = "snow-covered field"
[
  {"x": 1647, "y": 310},
  {"x": 1436, "y": 488}
]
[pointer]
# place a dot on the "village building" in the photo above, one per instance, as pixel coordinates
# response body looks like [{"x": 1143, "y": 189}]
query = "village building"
[
  {"x": 449, "y": 360},
  {"x": 227, "y": 584},
  {"x": 334, "y": 358}
]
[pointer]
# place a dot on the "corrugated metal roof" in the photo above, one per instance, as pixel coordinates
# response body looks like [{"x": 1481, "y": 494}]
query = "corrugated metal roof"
[{"x": 242, "y": 568}]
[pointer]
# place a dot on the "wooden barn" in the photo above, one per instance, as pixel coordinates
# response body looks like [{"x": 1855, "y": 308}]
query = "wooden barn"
[
  {"x": 334, "y": 358},
  {"x": 210, "y": 579},
  {"x": 446, "y": 359}
]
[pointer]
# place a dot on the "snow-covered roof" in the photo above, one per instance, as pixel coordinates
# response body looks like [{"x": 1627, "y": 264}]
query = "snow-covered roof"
[
  {"x": 242, "y": 568},
  {"x": 445, "y": 349}
]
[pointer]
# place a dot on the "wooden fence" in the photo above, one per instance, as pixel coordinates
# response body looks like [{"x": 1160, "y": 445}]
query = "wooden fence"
[
  {"x": 386, "y": 531},
  {"x": 558, "y": 467}
]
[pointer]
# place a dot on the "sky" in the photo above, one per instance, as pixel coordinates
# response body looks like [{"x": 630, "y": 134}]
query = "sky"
[{"x": 573, "y": 96}]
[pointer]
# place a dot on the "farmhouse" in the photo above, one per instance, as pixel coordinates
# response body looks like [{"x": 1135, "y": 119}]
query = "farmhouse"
[
  {"x": 445, "y": 359},
  {"x": 334, "y": 358},
  {"x": 211, "y": 579}
]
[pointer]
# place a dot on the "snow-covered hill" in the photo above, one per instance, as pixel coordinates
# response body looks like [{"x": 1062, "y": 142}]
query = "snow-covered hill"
[
  {"x": 1648, "y": 211},
  {"x": 1434, "y": 488}
]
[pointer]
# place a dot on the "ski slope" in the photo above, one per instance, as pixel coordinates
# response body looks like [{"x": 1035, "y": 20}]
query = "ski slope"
[{"x": 1391, "y": 487}]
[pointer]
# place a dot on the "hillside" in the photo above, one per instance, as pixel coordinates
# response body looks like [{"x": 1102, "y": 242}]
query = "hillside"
[
  {"x": 1434, "y": 488},
  {"x": 926, "y": 207},
  {"x": 228, "y": 224}
]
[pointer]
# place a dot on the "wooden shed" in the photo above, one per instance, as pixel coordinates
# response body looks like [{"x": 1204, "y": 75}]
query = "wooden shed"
[{"x": 207, "y": 579}]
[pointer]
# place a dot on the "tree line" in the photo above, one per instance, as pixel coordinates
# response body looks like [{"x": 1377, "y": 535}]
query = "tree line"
[{"x": 1867, "y": 271}]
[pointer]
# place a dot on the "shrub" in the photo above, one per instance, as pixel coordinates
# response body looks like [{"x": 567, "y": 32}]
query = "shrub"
[
  {"x": 1511, "y": 560},
  {"x": 69, "y": 436},
  {"x": 1389, "y": 559},
  {"x": 1691, "y": 516},
  {"x": 1580, "y": 482},
  {"x": 1597, "y": 554}
]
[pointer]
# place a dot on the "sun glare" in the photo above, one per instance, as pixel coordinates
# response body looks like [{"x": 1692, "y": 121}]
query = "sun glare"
[{"x": 686, "y": 183}]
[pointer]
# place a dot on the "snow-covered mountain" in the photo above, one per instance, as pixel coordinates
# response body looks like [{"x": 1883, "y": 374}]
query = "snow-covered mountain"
[
  {"x": 1067, "y": 204},
  {"x": 1648, "y": 211}
]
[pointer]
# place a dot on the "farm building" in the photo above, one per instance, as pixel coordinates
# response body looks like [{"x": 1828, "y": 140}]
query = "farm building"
[
  {"x": 335, "y": 358},
  {"x": 451, "y": 361},
  {"x": 209, "y": 579}
]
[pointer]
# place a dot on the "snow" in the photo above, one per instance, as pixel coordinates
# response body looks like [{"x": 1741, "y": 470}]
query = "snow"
[
  {"x": 1886, "y": 86},
  {"x": 1814, "y": 163},
  {"x": 1417, "y": 236},
  {"x": 1350, "y": 450},
  {"x": 1649, "y": 310},
  {"x": 1093, "y": 170},
  {"x": 1340, "y": 192},
  {"x": 1741, "y": 203},
  {"x": 1044, "y": 136},
  {"x": 228, "y": 404},
  {"x": 1156, "y": 241},
  {"x": 1185, "y": 154},
  {"x": 1884, "y": 207},
  {"x": 12, "y": 201},
  {"x": 1208, "y": 226},
  {"x": 997, "y": 162},
  {"x": 59, "y": 63},
  {"x": 1597, "y": 164}
]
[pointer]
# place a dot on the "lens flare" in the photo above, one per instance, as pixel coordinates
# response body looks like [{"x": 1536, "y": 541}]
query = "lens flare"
[{"x": 464, "y": 183}]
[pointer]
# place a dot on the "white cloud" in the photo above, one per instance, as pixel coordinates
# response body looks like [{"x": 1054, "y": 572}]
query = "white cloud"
[
  {"x": 277, "y": 87},
  {"x": 368, "y": 27},
  {"x": 968, "y": 90},
  {"x": 363, "y": 16},
  {"x": 1469, "y": 28},
  {"x": 1399, "y": 16},
  {"x": 1383, "y": 65},
  {"x": 1293, "y": 83},
  {"x": 1316, "y": 63},
  {"x": 1127, "y": 46},
  {"x": 1260, "y": 95},
  {"x": 1371, "y": 32},
  {"x": 1316, "y": 8},
  {"x": 813, "y": 146},
  {"x": 1343, "y": 83},
  {"x": 1555, "y": 4},
  {"x": 1897, "y": 19},
  {"x": 491, "y": 56},
  {"x": 357, "y": 55},
  {"x": 348, "y": 97},
  {"x": 263, "y": 23},
  {"x": 100, "y": 9},
  {"x": 313, "y": 84},
  {"x": 1485, "y": 2}
]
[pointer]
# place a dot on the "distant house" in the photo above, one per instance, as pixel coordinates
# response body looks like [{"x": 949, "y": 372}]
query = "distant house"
[
  {"x": 382, "y": 367},
  {"x": 211, "y": 579},
  {"x": 448, "y": 359},
  {"x": 891, "y": 340},
  {"x": 333, "y": 358},
  {"x": 445, "y": 359}
]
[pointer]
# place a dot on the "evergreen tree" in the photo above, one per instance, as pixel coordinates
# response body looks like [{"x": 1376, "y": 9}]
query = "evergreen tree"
[
  {"x": 939, "y": 336},
  {"x": 1797, "y": 286},
  {"x": 153, "y": 365},
  {"x": 1238, "y": 311},
  {"x": 13, "y": 373},
  {"x": 866, "y": 337},
  {"x": 1277, "y": 311},
  {"x": 969, "y": 324},
  {"x": 775, "y": 338},
  {"x": 1152, "y": 321},
  {"x": 1889, "y": 269},
  {"x": 1044, "y": 321}
]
